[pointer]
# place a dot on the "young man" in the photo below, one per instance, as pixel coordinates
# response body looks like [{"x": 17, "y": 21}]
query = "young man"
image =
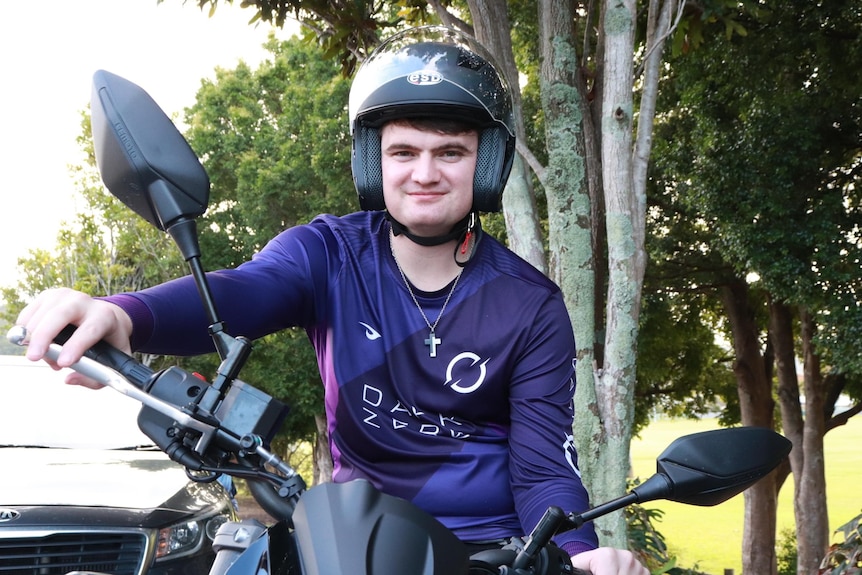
[{"x": 447, "y": 361}]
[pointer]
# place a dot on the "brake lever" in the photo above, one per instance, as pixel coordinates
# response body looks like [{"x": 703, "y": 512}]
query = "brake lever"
[
  {"x": 110, "y": 378},
  {"x": 89, "y": 367}
]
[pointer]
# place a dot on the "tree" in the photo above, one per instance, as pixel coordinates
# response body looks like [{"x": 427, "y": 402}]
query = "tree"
[
  {"x": 597, "y": 166},
  {"x": 770, "y": 161}
]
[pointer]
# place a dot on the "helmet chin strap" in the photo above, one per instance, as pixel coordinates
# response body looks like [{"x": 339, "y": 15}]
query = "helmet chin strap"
[
  {"x": 455, "y": 233},
  {"x": 465, "y": 231}
]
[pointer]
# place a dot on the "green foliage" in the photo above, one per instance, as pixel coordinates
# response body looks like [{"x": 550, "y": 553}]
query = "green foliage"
[
  {"x": 785, "y": 551},
  {"x": 761, "y": 148},
  {"x": 343, "y": 31},
  {"x": 275, "y": 143},
  {"x": 105, "y": 250},
  {"x": 276, "y": 146},
  {"x": 644, "y": 539},
  {"x": 845, "y": 557},
  {"x": 725, "y": 14},
  {"x": 681, "y": 370}
]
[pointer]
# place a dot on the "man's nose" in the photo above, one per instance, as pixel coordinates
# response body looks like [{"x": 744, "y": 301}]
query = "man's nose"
[{"x": 425, "y": 170}]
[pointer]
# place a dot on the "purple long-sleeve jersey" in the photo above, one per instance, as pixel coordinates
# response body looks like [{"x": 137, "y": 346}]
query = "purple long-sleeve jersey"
[{"x": 479, "y": 436}]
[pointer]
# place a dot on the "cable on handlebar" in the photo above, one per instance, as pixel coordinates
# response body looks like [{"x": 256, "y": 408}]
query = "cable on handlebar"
[{"x": 268, "y": 497}]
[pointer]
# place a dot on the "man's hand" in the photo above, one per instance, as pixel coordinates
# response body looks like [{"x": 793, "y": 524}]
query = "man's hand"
[
  {"x": 609, "y": 561},
  {"x": 96, "y": 320}
]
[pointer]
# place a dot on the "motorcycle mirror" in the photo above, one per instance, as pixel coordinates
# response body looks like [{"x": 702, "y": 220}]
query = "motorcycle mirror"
[
  {"x": 710, "y": 467},
  {"x": 705, "y": 469},
  {"x": 143, "y": 159}
]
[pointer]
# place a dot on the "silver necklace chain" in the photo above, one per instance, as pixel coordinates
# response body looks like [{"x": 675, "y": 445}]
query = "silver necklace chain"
[{"x": 432, "y": 342}]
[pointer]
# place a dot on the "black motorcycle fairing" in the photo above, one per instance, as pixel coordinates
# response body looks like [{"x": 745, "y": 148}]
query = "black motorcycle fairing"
[
  {"x": 353, "y": 528},
  {"x": 244, "y": 547}
]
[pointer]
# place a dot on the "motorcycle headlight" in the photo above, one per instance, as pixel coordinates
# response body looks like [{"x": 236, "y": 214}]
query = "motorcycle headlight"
[{"x": 187, "y": 537}]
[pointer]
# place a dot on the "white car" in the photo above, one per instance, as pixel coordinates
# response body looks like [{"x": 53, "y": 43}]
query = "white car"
[{"x": 82, "y": 489}]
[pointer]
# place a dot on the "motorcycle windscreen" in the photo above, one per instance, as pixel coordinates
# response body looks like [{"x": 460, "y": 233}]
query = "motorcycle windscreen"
[{"x": 353, "y": 528}]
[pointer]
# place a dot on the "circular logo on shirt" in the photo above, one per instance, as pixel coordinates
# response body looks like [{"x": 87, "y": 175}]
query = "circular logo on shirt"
[{"x": 471, "y": 385}]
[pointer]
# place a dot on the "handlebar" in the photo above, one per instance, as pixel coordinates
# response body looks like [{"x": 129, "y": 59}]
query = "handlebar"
[
  {"x": 243, "y": 419},
  {"x": 110, "y": 378}
]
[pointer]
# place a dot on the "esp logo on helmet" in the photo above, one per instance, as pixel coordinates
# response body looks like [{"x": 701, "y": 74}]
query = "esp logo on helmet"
[{"x": 425, "y": 78}]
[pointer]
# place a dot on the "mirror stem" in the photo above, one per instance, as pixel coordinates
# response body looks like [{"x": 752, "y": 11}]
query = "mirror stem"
[
  {"x": 185, "y": 235},
  {"x": 576, "y": 520},
  {"x": 656, "y": 487},
  {"x": 232, "y": 351}
]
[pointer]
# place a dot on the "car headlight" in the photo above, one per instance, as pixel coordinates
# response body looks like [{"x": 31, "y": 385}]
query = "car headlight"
[{"x": 187, "y": 537}]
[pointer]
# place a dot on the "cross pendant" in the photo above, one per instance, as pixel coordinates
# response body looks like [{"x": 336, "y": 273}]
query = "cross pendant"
[{"x": 432, "y": 342}]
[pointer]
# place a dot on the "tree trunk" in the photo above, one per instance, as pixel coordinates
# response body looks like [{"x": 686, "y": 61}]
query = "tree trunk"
[
  {"x": 756, "y": 405},
  {"x": 806, "y": 459},
  {"x": 781, "y": 335},
  {"x": 569, "y": 218},
  {"x": 519, "y": 209},
  {"x": 322, "y": 466},
  {"x": 592, "y": 91},
  {"x": 812, "y": 517},
  {"x": 492, "y": 30},
  {"x": 616, "y": 381}
]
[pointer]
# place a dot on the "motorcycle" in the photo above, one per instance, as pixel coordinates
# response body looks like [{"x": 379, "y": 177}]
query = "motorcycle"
[{"x": 225, "y": 426}]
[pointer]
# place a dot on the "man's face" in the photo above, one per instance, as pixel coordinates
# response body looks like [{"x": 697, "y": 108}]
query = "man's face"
[{"x": 427, "y": 177}]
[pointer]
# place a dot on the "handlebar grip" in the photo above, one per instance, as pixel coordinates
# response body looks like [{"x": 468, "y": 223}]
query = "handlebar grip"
[{"x": 137, "y": 373}]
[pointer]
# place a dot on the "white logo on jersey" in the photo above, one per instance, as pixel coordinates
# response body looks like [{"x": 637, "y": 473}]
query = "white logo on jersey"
[
  {"x": 457, "y": 385},
  {"x": 370, "y": 332},
  {"x": 571, "y": 453},
  {"x": 382, "y": 412}
]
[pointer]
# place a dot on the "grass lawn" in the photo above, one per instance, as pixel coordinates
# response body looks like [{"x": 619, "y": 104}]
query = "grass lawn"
[{"x": 710, "y": 538}]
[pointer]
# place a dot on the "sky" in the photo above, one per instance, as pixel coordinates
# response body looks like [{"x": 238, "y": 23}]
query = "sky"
[{"x": 50, "y": 50}]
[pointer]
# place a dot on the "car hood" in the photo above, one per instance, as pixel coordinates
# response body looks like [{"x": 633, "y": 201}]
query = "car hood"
[{"x": 88, "y": 478}]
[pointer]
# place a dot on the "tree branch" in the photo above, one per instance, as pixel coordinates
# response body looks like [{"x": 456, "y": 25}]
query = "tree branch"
[
  {"x": 531, "y": 160},
  {"x": 843, "y": 417}
]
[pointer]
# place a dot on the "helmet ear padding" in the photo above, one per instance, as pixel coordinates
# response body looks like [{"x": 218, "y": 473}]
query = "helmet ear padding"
[
  {"x": 367, "y": 168},
  {"x": 493, "y": 163}
]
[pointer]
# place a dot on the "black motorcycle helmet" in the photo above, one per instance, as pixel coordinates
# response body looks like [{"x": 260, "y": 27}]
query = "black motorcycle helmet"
[{"x": 432, "y": 72}]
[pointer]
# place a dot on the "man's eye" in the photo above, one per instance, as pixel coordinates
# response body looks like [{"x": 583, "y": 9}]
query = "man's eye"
[{"x": 453, "y": 154}]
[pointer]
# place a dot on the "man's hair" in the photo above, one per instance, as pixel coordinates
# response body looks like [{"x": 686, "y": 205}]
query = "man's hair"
[{"x": 448, "y": 126}]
